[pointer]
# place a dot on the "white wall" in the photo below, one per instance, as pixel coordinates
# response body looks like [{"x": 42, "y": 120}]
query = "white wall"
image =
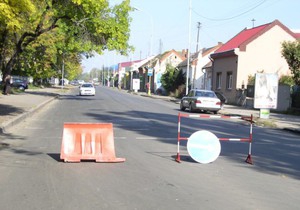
[{"x": 264, "y": 53}]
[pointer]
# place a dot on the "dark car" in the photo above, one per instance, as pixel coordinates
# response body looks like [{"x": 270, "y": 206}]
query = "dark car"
[{"x": 20, "y": 84}]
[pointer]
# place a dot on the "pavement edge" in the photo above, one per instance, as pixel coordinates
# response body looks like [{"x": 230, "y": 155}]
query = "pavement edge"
[{"x": 7, "y": 125}]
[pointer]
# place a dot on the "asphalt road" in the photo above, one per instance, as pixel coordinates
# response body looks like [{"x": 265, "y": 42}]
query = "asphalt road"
[{"x": 32, "y": 176}]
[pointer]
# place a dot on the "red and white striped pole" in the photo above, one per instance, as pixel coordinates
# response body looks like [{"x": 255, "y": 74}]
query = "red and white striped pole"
[
  {"x": 178, "y": 139},
  {"x": 249, "y": 159}
]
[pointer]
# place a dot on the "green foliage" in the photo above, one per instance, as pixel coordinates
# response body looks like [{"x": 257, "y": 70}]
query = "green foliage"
[
  {"x": 286, "y": 80},
  {"x": 37, "y": 36},
  {"x": 172, "y": 78},
  {"x": 291, "y": 53},
  {"x": 251, "y": 80}
]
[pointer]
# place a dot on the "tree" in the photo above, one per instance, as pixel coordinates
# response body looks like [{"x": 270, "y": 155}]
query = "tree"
[
  {"x": 172, "y": 78},
  {"x": 78, "y": 27},
  {"x": 291, "y": 53}
]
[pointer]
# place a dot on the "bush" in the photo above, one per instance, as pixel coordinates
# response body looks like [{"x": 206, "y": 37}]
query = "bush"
[
  {"x": 172, "y": 79},
  {"x": 286, "y": 80}
]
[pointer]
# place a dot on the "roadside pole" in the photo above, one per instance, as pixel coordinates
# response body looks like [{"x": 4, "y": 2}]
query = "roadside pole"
[{"x": 150, "y": 73}]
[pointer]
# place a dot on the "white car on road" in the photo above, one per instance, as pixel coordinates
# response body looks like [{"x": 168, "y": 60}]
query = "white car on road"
[
  {"x": 201, "y": 100},
  {"x": 87, "y": 89}
]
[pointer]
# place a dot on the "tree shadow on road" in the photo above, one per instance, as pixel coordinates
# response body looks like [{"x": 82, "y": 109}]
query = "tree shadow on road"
[
  {"x": 9, "y": 110},
  {"x": 273, "y": 151}
]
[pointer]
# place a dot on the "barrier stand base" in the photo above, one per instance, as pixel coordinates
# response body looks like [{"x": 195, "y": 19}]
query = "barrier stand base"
[
  {"x": 249, "y": 160},
  {"x": 178, "y": 158},
  {"x": 78, "y": 160},
  {"x": 114, "y": 160}
]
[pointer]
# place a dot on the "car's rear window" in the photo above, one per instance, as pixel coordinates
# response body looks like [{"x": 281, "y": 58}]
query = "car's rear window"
[
  {"x": 205, "y": 94},
  {"x": 87, "y": 85}
]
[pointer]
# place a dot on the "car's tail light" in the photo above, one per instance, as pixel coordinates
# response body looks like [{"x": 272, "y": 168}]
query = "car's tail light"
[
  {"x": 198, "y": 102},
  {"x": 218, "y": 103}
]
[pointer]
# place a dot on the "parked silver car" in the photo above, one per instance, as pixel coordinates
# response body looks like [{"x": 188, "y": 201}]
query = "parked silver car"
[{"x": 201, "y": 100}]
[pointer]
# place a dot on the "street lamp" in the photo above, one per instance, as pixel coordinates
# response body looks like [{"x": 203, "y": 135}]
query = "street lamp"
[
  {"x": 189, "y": 47},
  {"x": 151, "y": 41},
  {"x": 151, "y": 21}
]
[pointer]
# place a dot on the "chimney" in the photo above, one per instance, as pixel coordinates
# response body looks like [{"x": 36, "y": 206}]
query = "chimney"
[{"x": 185, "y": 52}]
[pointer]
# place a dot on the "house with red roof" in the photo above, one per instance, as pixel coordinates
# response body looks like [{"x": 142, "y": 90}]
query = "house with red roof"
[
  {"x": 198, "y": 77},
  {"x": 251, "y": 51},
  {"x": 127, "y": 70},
  {"x": 122, "y": 69},
  {"x": 158, "y": 64}
]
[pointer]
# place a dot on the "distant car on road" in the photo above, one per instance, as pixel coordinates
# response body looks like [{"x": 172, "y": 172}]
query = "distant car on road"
[
  {"x": 80, "y": 82},
  {"x": 19, "y": 83},
  {"x": 74, "y": 82},
  {"x": 201, "y": 100},
  {"x": 87, "y": 89}
]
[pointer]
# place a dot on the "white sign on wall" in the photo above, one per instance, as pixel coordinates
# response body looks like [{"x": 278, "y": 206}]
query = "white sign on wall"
[
  {"x": 266, "y": 91},
  {"x": 135, "y": 84}
]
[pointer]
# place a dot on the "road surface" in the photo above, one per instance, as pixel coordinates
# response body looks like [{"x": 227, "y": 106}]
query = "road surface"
[{"x": 32, "y": 176}]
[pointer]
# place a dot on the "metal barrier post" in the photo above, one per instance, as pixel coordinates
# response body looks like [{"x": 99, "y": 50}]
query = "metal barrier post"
[
  {"x": 178, "y": 139},
  {"x": 248, "y": 160}
]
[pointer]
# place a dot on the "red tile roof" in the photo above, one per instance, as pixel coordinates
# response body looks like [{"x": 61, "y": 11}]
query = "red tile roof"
[
  {"x": 248, "y": 35},
  {"x": 297, "y": 35},
  {"x": 240, "y": 38},
  {"x": 128, "y": 63}
]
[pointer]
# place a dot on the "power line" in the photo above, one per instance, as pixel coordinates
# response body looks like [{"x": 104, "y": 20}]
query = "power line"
[{"x": 229, "y": 18}]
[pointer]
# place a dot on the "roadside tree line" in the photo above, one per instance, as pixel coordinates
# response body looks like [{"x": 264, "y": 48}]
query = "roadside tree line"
[{"x": 38, "y": 37}]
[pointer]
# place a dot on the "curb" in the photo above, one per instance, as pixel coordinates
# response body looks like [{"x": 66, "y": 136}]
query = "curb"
[
  {"x": 7, "y": 125},
  {"x": 172, "y": 99}
]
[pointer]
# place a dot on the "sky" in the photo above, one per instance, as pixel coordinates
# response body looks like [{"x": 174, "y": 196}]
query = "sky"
[{"x": 162, "y": 25}]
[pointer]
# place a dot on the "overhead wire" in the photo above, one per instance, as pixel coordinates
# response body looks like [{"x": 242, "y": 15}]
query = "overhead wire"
[{"x": 233, "y": 17}]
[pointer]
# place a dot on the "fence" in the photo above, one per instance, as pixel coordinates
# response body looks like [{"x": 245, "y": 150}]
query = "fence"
[{"x": 249, "y": 139}]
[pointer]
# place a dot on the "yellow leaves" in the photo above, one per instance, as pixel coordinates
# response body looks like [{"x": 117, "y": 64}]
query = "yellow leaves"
[
  {"x": 47, "y": 28},
  {"x": 12, "y": 12}
]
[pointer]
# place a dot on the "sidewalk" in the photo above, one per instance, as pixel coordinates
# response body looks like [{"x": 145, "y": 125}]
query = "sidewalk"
[{"x": 16, "y": 107}]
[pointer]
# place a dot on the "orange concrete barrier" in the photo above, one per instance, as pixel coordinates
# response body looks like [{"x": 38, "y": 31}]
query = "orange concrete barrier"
[{"x": 88, "y": 141}]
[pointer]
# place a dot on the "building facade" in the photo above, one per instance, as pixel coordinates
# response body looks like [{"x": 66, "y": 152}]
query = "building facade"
[{"x": 255, "y": 50}]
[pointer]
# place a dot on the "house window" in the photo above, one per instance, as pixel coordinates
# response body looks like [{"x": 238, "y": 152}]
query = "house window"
[
  {"x": 219, "y": 80},
  {"x": 229, "y": 80}
]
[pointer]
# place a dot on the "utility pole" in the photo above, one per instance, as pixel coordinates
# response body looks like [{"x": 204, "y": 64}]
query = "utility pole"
[
  {"x": 198, "y": 26},
  {"x": 189, "y": 48},
  {"x": 160, "y": 46},
  {"x": 63, "y": 72},
  {"x": 103, "y": 75}
]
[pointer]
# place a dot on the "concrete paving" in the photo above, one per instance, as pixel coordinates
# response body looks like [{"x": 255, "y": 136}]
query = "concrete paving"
[{"x": 16, "y": 107}]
